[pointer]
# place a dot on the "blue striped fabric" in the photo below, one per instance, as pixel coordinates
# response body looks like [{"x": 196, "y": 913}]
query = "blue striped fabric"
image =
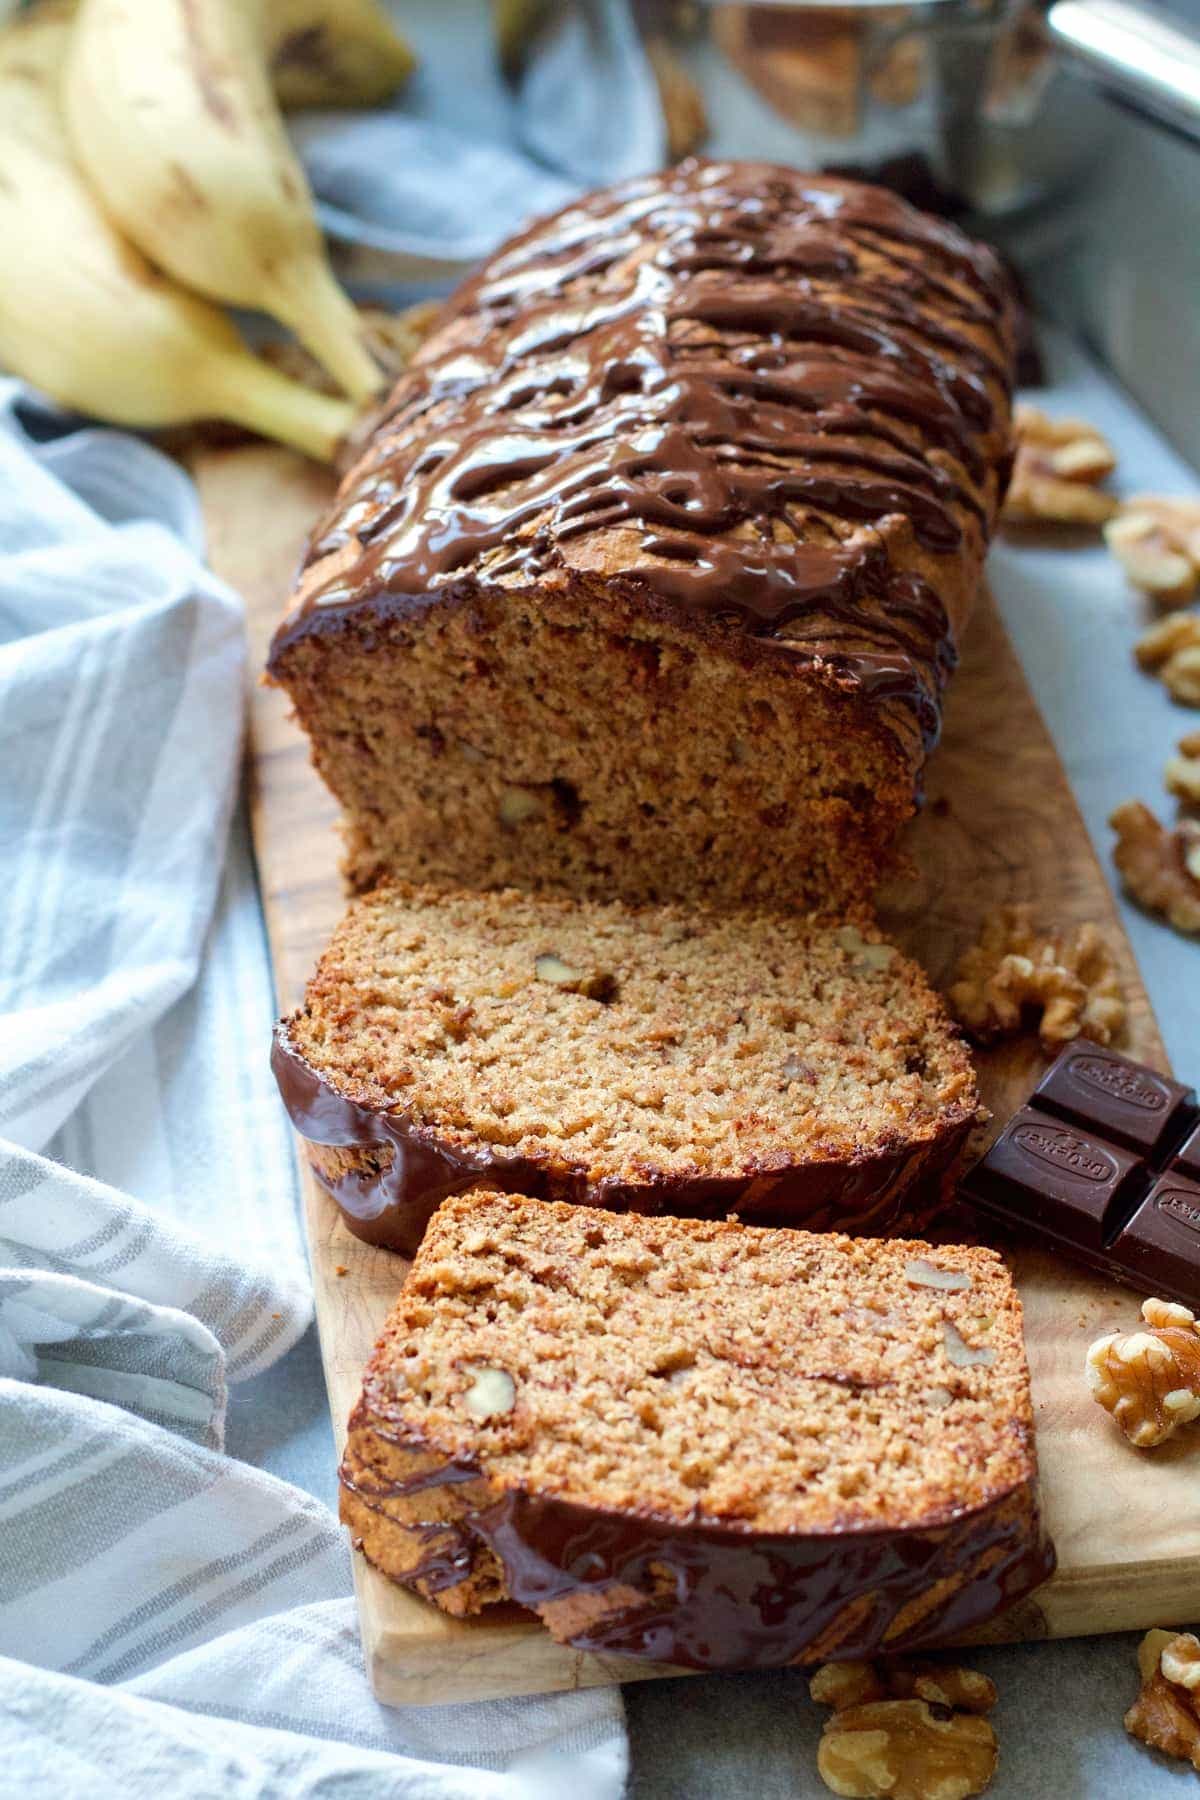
[{"x": 175, "y": 1619}]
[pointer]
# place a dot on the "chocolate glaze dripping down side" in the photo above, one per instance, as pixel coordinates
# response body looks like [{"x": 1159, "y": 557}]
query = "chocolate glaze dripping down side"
[
  {"x": 704, "y": 1595},
  {"x": 747, "y": 369},
  {"x": 392, "y": 1201}
]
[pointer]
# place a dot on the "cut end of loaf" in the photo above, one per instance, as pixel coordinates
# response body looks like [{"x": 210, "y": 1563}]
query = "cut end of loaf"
[{"x": 569, "y": 741}]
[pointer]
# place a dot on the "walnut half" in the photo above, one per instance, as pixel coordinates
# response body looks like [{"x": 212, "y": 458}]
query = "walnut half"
[
  {"x": 1160, "y": 868},
  {"x": 1058, "y": 464},
  {"x": 912, "y": 1731},
  {"x": 1014, "y": 971},
  {"x": 906, "y": 1750},
  {"x": 1149, "y": 1380},
  {"x": 1165, "y": 1713},
  {"x": 1157, "y": 543}
]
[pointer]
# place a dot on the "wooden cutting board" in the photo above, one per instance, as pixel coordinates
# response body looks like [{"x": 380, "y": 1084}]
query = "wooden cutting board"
[{"x": 1001, "y": 824}]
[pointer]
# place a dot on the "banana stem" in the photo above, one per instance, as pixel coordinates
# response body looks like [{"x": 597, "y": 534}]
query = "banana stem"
[
  {"x": 307, "y": 298},
  {"x": 253, "y": 394}
]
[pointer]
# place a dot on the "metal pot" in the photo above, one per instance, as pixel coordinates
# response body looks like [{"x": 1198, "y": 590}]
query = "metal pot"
[{"x": 978, "y": 97}]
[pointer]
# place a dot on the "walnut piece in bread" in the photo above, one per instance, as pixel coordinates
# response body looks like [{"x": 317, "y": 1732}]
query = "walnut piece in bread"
[
  {"x": 1160, "y": 868},
  {"x": 1059, "y": 463},
  {"x": 1149, "y": 1380},
  {"x": 1013, "y": 970},
  {"x": 1165, "y": 1714},
  {"x": 1157, "y": 543}
]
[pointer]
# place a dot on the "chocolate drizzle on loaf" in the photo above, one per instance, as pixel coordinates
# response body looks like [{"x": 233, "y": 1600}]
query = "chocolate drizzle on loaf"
[{"x": 747, "y": 368}]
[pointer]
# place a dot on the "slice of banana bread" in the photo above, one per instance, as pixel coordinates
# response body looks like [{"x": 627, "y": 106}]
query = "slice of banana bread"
[
  {"x": 650, "y": 1059},
  {"x": 651, "y": 575},
  {"x": 696, "y": 1441}
]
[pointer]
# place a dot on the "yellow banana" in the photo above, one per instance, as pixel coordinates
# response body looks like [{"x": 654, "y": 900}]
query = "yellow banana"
[
  {"x": 83, "y": 315},
  {"x": 334, "y": 53},
  {"x": 171, "y": 117},
  {"x": 319, "y": 52}
]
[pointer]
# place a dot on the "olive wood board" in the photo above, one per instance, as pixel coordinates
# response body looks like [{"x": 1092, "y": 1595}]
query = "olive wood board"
[{"x": 1000, "y": 824}]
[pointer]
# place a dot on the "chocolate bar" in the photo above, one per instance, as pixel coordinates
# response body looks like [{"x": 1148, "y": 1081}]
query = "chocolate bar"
[{"x": 1103, "y": 1163}]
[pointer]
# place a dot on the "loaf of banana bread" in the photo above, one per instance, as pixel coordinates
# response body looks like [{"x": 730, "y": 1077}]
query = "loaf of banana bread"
[
  {"x": 651, "y": 1059},
  {"x": 699, "y": 1442},
  {"x": 650, "y": 577}
]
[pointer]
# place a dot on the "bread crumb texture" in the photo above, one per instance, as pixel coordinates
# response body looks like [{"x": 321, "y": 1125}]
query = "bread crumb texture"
[
  {"x": 629, "y": 1043},
  {"x": 776, "y": 1381}
]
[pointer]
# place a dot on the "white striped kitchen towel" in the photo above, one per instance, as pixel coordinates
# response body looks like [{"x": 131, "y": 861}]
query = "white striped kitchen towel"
[{"x": 171, "y": 1620}]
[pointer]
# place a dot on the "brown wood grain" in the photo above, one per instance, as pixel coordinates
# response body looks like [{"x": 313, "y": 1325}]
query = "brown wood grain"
[{"x": 1001, "y": 824}]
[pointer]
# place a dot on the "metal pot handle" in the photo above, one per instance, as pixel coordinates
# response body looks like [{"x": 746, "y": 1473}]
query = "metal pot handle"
[{"x": 1136, "y": 53}]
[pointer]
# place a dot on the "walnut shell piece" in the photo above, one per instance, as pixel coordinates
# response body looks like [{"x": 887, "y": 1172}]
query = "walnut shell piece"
[
  {"x": 906, "y": 1750},
  {"x": 1149, "y": 1380},
  {"x": 1160, "y": 868},
  {"x": 1165, "y": 1714},
  {"x": 1056, "y": 471},
  {"x": 1015, "y": 972}
]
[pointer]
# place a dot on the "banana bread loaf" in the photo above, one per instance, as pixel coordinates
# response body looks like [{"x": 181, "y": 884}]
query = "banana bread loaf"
[
  {"x": 654, "y": 1059},
  {"x": 651, "y": 575},
  {"x": 699, "y": 1442}
]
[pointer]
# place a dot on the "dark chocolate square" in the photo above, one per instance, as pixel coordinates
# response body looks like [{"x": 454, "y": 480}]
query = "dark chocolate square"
[
  {"x": 1050, "y": 1176},
  {"x": 1186, "y": 1160},
  {"x": 1160, "y": 1246},
  {"x": 1108, "y": 1093}
]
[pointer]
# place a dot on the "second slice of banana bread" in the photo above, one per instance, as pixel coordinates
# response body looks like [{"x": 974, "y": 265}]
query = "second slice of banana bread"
[{"x": 649, "y": 1059}]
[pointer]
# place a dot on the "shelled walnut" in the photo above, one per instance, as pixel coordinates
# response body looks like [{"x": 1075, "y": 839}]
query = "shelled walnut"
[
  {"x": 1149, "y": 1380},
  {"x": 1181, "y": 775},
  {"x": 1013, "y": 970},
  {"x": 1160, "y": 868},
  {"x": 1058, "y": 464},
  {"x": 1171, "y": 649},
  {"x": 912, "y": 1731},
  {"x": 1157, "y": 543},
  {"x": 906, "y": 1750},
  {"x": 1165, "y": 1714},
  {"x": 844, "y": 1684}
]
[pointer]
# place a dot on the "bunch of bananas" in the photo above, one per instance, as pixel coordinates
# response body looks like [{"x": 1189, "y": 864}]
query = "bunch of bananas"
[{"x": 146, "y": 176}]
